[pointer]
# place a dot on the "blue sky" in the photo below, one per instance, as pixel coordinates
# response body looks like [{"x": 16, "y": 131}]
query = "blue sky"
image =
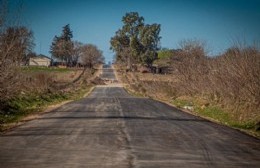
[{"x": 218, "y": 22}]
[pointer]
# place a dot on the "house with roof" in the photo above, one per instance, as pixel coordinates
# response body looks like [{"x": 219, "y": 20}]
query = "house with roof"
[{"x": 40, "y": 60}]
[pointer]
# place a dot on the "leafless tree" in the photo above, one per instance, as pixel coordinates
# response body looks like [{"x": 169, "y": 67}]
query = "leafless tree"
[
  {"x": 191, "y": 65},
  {"x": 91, "y": 55},
  {"x": 76, "y": 52},
  {"x": 231, "y": 79},
  {"x": 15, "y": 43}
]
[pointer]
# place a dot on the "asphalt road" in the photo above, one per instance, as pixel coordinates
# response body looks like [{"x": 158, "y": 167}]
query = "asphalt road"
[
  {"x": 112, "y": 129},
  {"x": 107, "y": 73}
]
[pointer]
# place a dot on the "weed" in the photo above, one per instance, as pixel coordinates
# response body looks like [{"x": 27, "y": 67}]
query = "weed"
[
  {"x": 215, "y": 113},
  {"x": 22, "y": 105},
  {"x": 45, "y": 69}
]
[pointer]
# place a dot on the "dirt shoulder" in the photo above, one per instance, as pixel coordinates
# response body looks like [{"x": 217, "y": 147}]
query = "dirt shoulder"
[
  {"x": 161, "y": 88},
  {"x": 82, "y": 90}
]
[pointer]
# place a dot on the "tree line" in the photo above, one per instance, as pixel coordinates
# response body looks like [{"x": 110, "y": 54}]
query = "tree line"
[{"x": 72, "y": 53}]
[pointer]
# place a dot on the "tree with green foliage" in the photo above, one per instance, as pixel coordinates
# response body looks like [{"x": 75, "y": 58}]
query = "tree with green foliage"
[
  {"x": 165, "y": 57},
  {"x": 136, "y": 42},
  {"x": 62, "y": 46},
  {"x": 120, "y": 45},
  {"x": 165, "y": 53},
  {"x": 150, "y": 39}
]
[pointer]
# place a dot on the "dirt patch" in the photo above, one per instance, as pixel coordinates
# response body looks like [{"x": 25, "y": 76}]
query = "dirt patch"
[{"x": 98, "y": 81}]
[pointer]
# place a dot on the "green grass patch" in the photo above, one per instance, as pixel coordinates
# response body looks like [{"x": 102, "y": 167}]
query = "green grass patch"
[
  {"x": 214, "y": 112},
  {"x": 250, "y": 125},
  {"x": 21, "y": 106},
  {"x": 45, "y": 69},
  {"x": 181, "y": 103},
  {"x": 79, "y": 93},
  {"x": 16, "y": 109},
  {"x": 223, "y": 117},
  {"x": 219, "y": 115}
]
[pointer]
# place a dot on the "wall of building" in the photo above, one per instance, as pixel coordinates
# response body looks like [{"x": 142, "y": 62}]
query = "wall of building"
[{"x": 39, "y": 62}]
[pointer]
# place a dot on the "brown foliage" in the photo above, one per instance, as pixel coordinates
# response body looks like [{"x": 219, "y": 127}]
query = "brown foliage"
[
  {"x": 235, "y": 77},
  {"x": 91, "y": 55},
  {"x": 15, "y": 43},
  {"x": 232, "y": 79}
]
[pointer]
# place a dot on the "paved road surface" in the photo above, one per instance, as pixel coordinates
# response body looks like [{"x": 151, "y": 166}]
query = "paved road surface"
[
  {"x": 112, "y": 129},
  {"x": 107, "y": 73}
]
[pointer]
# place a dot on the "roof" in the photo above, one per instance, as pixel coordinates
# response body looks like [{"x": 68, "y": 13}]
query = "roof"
[{"x": 42, "y": 57}]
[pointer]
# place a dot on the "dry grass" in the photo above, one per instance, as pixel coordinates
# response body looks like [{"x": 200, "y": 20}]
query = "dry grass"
[
  {"x": 226, "y": 87},
  {"x": 231, "y": 80},
  {"x": 40, "y": 89},
  {"x": 47, "y": 79}
]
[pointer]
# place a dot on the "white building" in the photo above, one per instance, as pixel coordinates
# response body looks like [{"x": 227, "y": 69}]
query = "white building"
[{"x": 40, "y": 60}]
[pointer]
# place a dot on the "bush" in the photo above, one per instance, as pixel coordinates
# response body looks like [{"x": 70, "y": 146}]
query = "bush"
[{"x": 231, "y": 79}]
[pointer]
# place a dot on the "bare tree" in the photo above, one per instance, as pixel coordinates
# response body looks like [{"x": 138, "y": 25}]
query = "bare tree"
[
  {"x": 15, "y": 43},
  {"x": 191, "y": 65},
  {"x": 77, "y": 51},
  {"x": 91, "y": 55}
]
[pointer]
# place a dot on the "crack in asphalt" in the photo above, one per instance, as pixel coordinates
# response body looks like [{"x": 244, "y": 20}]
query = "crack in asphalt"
[{"x": 131, "y": 157}]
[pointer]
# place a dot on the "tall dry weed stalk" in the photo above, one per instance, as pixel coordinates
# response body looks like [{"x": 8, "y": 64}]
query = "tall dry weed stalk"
[
  {"x": 15, "y": 43},
  {"x": 231, "y": 79}
]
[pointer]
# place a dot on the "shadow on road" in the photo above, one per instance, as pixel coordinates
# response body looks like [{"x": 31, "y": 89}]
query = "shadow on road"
[{"x": 126, "y": 118}]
